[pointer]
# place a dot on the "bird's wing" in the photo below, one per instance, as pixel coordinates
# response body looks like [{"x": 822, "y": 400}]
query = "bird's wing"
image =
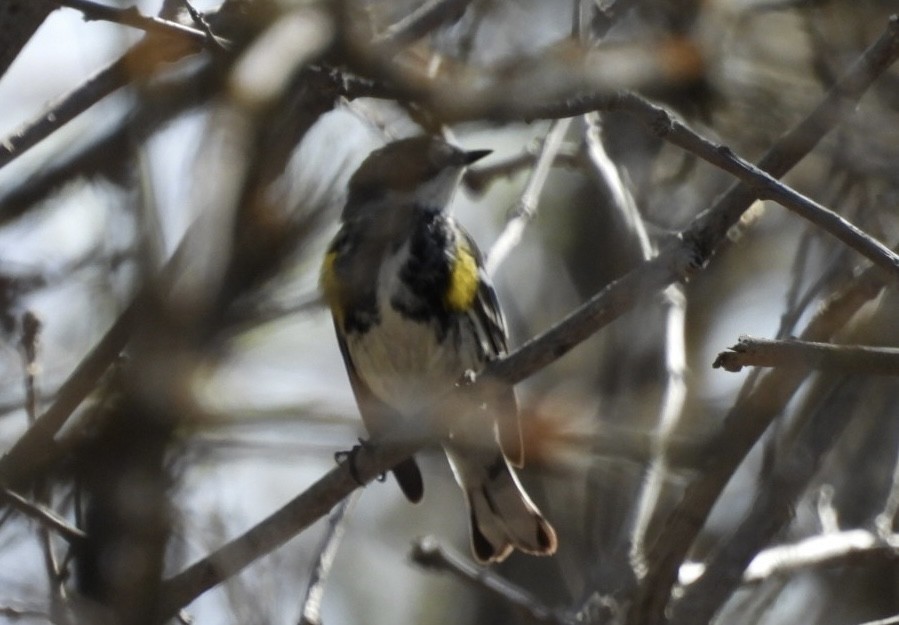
[
  {"x": 379, "y": 418},
  {"x": 491, "y": 327}
]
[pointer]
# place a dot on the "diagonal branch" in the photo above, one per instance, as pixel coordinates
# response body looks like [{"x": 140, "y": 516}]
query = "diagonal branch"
[
  {"x": 133, "y": 18},
  {"x": 424, "y": 19},
  {"x": 428, "y": 553}
]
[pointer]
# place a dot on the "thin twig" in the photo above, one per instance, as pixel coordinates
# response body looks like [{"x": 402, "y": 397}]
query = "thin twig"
[
  {"x": 885, "y": 522},
  {"x": 753, "y": 352},
  {"x": 890, "y": 620},
  {"x": 368, "y": 463},
  {"x": 166, "y": 101},
  {"x": 31, "y": 327},
  {"x": 37, "y": 443},
  {"x": 477, "y": 180},
  {"x": 46, "y": 517},
  {"x": 201, "y": 21},
  {"x": 835, "y": 549},
  {"x": 672, "y": 406},
  {"x": 133, "y": 18},
  {"x": 424, "y": 19},
  {"x": 526, "y": 207},
  {"x": 428, "y": 553},
  {"x": 310, "y": 614},
  {"x": 774, "y": 503}
]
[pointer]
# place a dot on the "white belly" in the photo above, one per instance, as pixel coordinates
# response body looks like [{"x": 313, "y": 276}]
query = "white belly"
[{"x": 414, "y": 370}]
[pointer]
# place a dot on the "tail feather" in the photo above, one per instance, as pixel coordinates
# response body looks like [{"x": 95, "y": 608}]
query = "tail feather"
[
  {"x": 503, "y": 517},
  {"x": 408, "y": 476}
]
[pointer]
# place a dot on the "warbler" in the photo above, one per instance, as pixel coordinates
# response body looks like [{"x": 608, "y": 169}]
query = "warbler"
[{"x": 414, "y": 312}]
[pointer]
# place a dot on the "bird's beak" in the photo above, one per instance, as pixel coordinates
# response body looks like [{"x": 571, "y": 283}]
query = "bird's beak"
[{"x": 476, "y": 155}]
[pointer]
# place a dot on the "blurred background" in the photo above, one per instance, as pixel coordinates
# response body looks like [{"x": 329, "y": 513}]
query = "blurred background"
[{"x": 189, "y": 208}]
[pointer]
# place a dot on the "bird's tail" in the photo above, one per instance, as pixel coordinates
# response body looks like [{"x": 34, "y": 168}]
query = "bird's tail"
[{"x": 503, "y": 517}]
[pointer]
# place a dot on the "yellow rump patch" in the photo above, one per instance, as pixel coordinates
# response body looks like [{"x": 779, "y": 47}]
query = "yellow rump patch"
[
  {"x": 330, "y": 287},
  {"x": 463, "y": 284}
]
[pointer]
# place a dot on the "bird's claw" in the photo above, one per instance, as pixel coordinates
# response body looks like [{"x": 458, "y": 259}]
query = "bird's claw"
[{"x": 350, "y": 457}]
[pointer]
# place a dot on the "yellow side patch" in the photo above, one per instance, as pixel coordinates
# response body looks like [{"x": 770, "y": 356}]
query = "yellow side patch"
[
  {"x": 330, "y": 287},
  {"x": 463, "y": 284}
]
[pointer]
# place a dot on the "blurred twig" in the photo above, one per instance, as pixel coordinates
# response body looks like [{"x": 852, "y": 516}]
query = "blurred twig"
[
  {"x": 46, "y": 517},
  {"x": 428, "y": 553},
  {"x": 833, "y": 549},
  {"x": 829, "y": 409},
  {"x": 34, "y": 447},
  {"x": 743, "y": 426},
  {"x": 369, "y": 462},
  {"x": 523, "y": 211},
  {"x": 31, "y": 327},
  {"x": 310, "y": 613},
  {"x": 133, "y": 18},
  {"x": 94, "y": 89},
  {"x": 166, "y": 101},
  {"x": 754, "y": 352},
  {"x": 424, "y": 19},
  {"x": 478, "y": 179}
]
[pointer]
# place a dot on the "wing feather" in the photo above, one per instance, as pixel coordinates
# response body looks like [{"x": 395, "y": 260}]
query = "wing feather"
[
  {"x": 379, "y": 419},
  {"x": 491, "y": 327}
]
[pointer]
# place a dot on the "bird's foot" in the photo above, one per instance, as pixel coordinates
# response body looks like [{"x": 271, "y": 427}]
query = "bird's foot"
[{"x": 350, "y": 456}]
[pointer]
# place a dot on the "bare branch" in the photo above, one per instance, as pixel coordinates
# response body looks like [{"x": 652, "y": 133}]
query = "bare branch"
[
  {"x": 765, "y": 185},
  {"x": 147, "y": 56},
  {"x": 133, "y": 18},
  {"x": 311, "y": 611},
  {"x": 743, "y": 426},
  {"x": 753, "y": 352},
  {"x": 830, "y": 549},
  {"x": 774, "y": 502},
  {"x": 523, "y": 211},
  {"x": 369, "y": 462},
  {"x": 428, "y": 553},
  {"x": 424, "y": 19},
  {"x": 46, "y": 517},
  {"x": 37, "y": 444}
]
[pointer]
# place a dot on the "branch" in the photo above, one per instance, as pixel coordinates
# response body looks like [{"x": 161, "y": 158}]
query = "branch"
[
  {"x": 526, "y": 207},
  {"x": 369, "y": 462},
  {"x": 147, "y": 56},
  {"x": 37, "y": 444},
  {"x": 133, "y": 18},
  {"x": 428, "y": 553},
  {"x": 166, "y": 101},
  {"x": 762, "y": 183},
  {"x": 829, "y": 406},
  {"x": 43, "y": 515},
  {"x": 831, "y": 549},
  {"x": 743, "y": 425},
  {"x": 426, "y": 18},
  {"x": 311, "y": 612},
  {"x": 752, "y": 352}
]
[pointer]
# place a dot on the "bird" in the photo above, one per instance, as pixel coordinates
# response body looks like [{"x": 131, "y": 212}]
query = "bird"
[{"x": 415, "y": 312}]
